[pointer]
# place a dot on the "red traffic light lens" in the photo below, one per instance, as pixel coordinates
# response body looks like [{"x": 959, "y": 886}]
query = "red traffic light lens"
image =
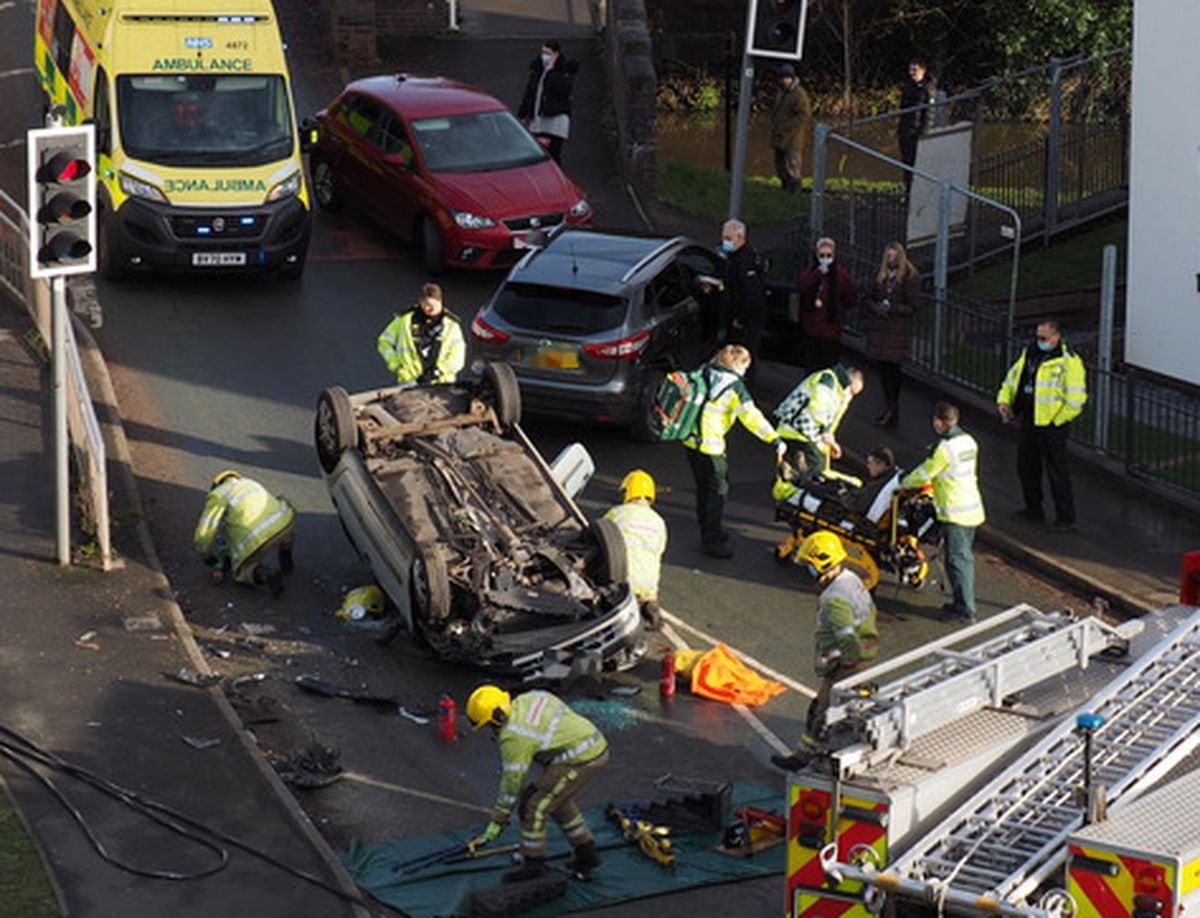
[{"x": 63, "y": 167}]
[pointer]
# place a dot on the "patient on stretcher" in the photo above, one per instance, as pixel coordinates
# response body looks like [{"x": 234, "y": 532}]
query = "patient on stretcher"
[{"x": 838, "y": 500}]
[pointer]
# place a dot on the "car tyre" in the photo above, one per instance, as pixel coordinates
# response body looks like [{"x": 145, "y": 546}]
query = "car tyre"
[
  {"x": 430, "y": 588},
  {"x": 325, "y": 186},
  {"x": 611, "y": 564},
  {"x": 501, "y": 381},
  {"x": 432, "y": 248},
  {"x": 334, "y": 428},
  {"x": 641, "y": 429}
]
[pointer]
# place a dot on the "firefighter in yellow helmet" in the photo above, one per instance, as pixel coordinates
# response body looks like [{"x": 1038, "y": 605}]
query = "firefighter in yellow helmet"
[
  {"x": 539, "y": 727},
  {"x": 645, "y": 535},
  {"x": 424, "y": 344},
  {"x": 846, "y": 637},
  {"x": 242, "y": 523}
]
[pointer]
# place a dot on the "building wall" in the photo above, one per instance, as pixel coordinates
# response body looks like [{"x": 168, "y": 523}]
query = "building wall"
[{"x": 1163, "y": 319}]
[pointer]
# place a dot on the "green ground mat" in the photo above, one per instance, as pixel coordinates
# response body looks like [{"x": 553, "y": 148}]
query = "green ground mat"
[{"x": 440, "y": 891}]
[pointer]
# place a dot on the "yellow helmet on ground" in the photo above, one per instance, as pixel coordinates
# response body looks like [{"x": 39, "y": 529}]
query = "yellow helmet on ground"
[
  {"x": 225, "y": 476},
  {"x": 489, "y": 704},
  {"x": 638, "y": 484},
  {"x": 823, "y": 550}
]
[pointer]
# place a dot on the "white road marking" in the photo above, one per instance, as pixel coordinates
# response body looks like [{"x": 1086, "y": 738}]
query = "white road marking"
[
  {"x": 20, "y": 71},
  {"x": 761, "y": 667},
  {"x": 18, "y": 142},
  {"x": 746, "y": 714},
  {"x": 413, "y": 792}
]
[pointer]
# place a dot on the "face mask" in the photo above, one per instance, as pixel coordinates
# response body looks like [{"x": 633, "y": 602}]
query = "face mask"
[
  {"x": 728, "y": 247},
  {"x": 1045, "y": 346},
  {"x": 812, "y": 571},
  {"x": 824, "y": 262},
  {"x": 547, "y": 60}
]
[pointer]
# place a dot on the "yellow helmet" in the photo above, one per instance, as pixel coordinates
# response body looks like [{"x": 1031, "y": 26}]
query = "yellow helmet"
[
  {"x": 823, "y": 550},
  {"x": 225, "y": 476},
  {"x": 638, "y": 484},
  {"x": 489, "y": 704}
]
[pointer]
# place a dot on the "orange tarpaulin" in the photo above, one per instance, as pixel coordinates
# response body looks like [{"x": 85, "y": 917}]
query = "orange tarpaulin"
[{"x": 721, "y": 676}]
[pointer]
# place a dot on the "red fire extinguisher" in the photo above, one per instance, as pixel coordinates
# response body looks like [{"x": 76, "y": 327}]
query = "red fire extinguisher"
[
  {"x": 667, "y": 686},
  {"x": 447, "y": 720}
]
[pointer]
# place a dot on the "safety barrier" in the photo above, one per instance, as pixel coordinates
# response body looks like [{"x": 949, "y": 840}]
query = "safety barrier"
[{"x": 82, "y": 423}]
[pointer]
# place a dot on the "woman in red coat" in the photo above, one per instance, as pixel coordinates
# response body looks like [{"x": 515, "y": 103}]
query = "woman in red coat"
[
  {"x": 894, "y": 293},
  {"x": 827, "y": 291}
]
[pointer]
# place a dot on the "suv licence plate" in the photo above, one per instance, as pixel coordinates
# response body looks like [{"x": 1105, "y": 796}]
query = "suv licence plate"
[
  {"x": 218, "y": 259},
  {"x": 554, "y": 359}
]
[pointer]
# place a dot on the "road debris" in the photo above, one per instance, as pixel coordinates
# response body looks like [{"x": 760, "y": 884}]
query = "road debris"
[
  {"x": 86, "y": 641},
  {"x": 200, "y": 742},
  {"x": 192, "y": 677},
  {"x": 257, "y": 629},
  {"x": 147, "y": 621}
]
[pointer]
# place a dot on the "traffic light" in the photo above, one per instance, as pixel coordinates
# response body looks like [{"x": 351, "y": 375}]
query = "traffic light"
[
  {"x": 62, "y": 201},
  {"x": 776, "y": 29}
]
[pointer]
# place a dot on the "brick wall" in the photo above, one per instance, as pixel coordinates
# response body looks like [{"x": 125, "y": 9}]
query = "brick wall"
[
  {"x": 357, "y": 24},
  {"x": 411, "y": 17},
  {"x": 631, "y": 76}
]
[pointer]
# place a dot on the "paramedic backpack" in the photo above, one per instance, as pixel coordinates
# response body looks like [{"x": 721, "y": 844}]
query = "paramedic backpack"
[{"x": 681, "y": 397}]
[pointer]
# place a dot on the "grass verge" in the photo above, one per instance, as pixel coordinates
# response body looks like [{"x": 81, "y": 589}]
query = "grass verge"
[
  {"x": 24, "y": 887},
  {"x": 704, "y": 193}
]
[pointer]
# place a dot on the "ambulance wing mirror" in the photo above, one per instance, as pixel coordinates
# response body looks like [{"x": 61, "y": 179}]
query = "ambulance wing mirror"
[
  {"x": 309, "y": 135},
  {"x": 103, "y": 135}
]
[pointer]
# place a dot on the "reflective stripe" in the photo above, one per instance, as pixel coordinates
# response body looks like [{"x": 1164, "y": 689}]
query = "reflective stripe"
[
  {"x": 265, "y": 526},
  {"x": 845, "y": 632},
  {"x": 578, "y": 749},
  {"x": 516, "y": 766}
]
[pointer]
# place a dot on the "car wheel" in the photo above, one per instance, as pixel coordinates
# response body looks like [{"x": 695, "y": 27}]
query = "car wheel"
[
  {"x": 501, "y": 381},
  {"x": 430, "y": 587},
  {"x": 334, "y": 428},
  {"x": 111, "y": 261},
  {"x": 611, "y": 563},
  {"x": 325, "y": 187},
  {"x": 642, "y": 429},
  {"x": 431, "y": 246}
]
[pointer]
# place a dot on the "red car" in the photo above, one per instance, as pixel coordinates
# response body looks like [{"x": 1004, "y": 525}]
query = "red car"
[{"x": 443, "y": 165}]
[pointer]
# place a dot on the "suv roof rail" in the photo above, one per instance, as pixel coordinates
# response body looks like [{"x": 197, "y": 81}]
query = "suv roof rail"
[{"x": 645, "y": 260}]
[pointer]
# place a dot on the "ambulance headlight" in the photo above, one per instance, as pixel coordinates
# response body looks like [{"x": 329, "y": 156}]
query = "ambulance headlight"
[
  {"x": 288, "y": 188},
  {"x": 136, "y": 188}
]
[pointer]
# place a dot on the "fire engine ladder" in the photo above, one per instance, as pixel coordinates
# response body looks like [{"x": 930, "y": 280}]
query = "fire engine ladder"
[
  {"x": 1000, "y": 846},
  {"x": 954, "y": 682}
]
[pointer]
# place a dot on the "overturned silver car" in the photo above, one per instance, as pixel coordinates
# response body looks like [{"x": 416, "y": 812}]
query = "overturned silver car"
[{"x": 469, "y": 531}]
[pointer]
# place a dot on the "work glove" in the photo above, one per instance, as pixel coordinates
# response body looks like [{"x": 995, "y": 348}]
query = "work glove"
[
  {"x": 489, "y": 835},
  {"x": 828, "y": 662}
]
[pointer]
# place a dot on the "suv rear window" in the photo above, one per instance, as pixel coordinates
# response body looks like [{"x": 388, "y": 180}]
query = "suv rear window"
[{"x": 555, "y": 309}]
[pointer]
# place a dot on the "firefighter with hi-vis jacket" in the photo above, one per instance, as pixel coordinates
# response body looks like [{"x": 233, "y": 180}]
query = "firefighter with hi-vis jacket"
[
  {"x": 645, "y": 535},
  {"x": 539, "y": 727},
  {"x": 425, "y": 344},
  {"x": 241, "y": 524}
]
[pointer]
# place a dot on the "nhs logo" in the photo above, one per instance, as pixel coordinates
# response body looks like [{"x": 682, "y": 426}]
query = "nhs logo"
[{"x": 198, "y": 43}]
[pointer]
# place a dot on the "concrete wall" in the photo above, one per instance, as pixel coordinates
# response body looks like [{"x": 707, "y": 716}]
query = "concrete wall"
[
  {"x": 1163, "y": 319},
  {"x": 634, "y": 87}
]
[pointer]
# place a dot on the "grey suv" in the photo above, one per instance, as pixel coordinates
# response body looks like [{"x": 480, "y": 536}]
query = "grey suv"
[{"x": 591, "y": 321}]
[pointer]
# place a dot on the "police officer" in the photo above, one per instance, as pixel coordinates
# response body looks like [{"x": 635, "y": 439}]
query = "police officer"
[
  {"x": 728, "y": 401},
  {"x": 241, "y": 524},
  {"x": 539, "y": 727},
  {"x": 425, "y": 344},
  {"x": 645, "y": 535},
  {"x": 846, "y": 636},
  {"x": 810, "y": 414},
  {"x": 1045, "y": 389},
  {"x": 952, "y": 468}
]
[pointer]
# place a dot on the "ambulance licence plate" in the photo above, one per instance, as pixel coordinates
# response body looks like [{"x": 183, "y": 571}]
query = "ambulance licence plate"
[{"x": 218, "y": 259}]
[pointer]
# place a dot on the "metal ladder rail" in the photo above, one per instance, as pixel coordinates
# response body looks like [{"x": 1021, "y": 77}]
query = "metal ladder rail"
[
  {"x": 1127, "y": 702},
  {"x": 962, "y": 682},
  {"x": 1018, "y": 806}
]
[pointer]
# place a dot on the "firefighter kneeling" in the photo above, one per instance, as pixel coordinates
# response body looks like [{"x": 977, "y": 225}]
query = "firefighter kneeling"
[
  {"x": 241, "y": 524},
  {"x": 539, "y": 727},
  {"x": 846, "y": 635}
]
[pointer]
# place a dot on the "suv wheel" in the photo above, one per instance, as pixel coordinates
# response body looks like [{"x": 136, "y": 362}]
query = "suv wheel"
[
  {"x": 501, "y": 381},
  {"x": 430, "y": 588}
]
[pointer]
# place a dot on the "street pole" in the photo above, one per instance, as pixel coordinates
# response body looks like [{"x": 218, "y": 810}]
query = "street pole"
[
  {"x": 745, "y": 90},
  {"x": 1108, "y": 295},
  {"x": 58, "y": 371}
]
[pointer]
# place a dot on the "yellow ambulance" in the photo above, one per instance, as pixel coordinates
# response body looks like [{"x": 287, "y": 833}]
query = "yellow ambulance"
[{"x": 200, "y": 163}]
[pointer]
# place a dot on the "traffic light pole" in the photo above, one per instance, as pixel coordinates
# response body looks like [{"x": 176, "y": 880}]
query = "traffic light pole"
[
  {"x": 745, "y": 92},
  {"x": 58, "y": 371}
]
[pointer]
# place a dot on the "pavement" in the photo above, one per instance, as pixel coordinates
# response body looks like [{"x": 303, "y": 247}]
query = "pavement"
[{"x": 85, "y": 659}]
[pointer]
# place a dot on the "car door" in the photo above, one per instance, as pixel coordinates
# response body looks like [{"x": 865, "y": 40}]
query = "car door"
[
  {"x": 393, "y": 173},
  {"x": 701, "y": 274},
  {"x": 355, "y": 158},
  {"x": 669, "y": 309}
]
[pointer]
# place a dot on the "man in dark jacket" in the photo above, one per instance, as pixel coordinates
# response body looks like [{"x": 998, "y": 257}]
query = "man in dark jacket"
[
  {"x": 790, "y": 114},
  {"x": 546, "y": 105},
  {"x": 918, "y": 89},
  {"x": 744, "y": 289}
]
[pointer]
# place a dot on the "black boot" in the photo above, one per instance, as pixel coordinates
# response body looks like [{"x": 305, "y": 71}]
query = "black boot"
[
  {"x": 287, "y": 563},
  {"x": 586, "y": 859},
  {"x": 531, "y": 869},
  {"x": 271, "y": 577}
]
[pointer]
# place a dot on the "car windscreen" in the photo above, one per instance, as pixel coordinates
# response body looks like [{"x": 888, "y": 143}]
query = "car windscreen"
[
  {"x": 557, "y": 310},
  {"x": 205, "y": 119},
  {"x": 479, "y": 142}
]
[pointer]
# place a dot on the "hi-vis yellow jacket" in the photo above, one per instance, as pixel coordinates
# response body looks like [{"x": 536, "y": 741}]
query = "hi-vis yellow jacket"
[
  {"x": 399, "y": 350},
  {"x": 952, "y": 469},
  {"x": 251, "y": 516},
  {"x": 1059, "y": 388},
  {"x": 728, "y": 401},
  {"x": 645, "y": 541},
  {"x": 541, "y": 729}
]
